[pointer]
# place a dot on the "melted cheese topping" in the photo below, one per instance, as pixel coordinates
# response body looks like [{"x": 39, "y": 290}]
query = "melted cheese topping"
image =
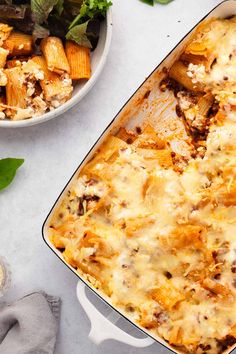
[
  {"x": 159, "y": 243},
  {"x": 220, "y": 78}
]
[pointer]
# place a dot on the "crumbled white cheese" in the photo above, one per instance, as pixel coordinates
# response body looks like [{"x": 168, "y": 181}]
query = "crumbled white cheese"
[
  {"x": 30, "y": 89},
  {"x": 66, "y": 80},
  {"x": 23, "y": 113},
  {"x": 184, "y": 100},
  {"x": 32, "y": 70},
  {"x": 196, "y": 72},
  {"x": 55, "y": 103},
  {"x": 39, "y": 105},
  {"x": 2, "y": 115}
]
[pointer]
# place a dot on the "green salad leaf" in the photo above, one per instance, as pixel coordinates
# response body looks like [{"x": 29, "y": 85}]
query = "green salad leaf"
[
  {"x": 91, "y": 9},
  {"x": 8, "y": 168},
  {"x": 79, "y": 34},
  {"x": 84, "y": 29},
  {"x": 40, "y": 32},
  {"x": 59, "y": 7},
  {"x": 42, "y": 8},
  {"x": 77, "y": 20}
]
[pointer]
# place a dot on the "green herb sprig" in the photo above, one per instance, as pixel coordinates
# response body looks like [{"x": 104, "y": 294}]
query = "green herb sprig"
[{"x": 8, "y": 168}]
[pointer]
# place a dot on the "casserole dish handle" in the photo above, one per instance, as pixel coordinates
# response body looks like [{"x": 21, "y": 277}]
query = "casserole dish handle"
[{"x": 103, "y": 328}]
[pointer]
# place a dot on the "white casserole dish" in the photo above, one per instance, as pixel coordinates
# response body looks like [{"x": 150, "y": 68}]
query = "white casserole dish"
[
  {"x": 98, "y": 60},
  {"x": 148, "y": 103}
]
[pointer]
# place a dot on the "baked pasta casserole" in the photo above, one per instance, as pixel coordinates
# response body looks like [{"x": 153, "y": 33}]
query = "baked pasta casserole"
[{"x": 156, "y": 231}]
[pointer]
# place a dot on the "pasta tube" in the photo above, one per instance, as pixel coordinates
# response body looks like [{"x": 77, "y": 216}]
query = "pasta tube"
[
  {"x": 178, "y": 72},
  {"x": 5, "y": 31},
  {"x": 79, "y": 61},
  {"x": 3, "y": 57},
  {"x": 15, "y": 88},
  {"x": 55, "y": 56},
  {"x": 52, "y": 84},
  {"x": 19, "y": 44}
]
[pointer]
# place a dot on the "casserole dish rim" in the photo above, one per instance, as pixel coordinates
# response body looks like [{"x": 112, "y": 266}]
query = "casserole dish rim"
[{"x": 101, "y": 296}]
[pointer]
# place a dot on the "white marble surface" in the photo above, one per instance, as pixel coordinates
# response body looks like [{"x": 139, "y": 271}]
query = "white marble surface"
[{"x": 142, "y": 37}]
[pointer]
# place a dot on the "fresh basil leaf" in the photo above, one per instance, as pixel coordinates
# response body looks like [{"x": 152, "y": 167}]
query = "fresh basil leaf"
[
  {"x": 42, "y": 8},
  {"x": 163, "y": 1},
  {"x": 78, "y": 34},
  {"x": 8, "y": 168},
  {"x": 149, "y": 2}
]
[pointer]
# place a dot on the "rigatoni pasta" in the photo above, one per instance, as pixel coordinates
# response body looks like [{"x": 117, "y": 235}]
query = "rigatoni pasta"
[
  {"x": 179, "y": 72},
  {"x": 54, "y": 54},
  {"x": 18, "y": 44},
  {"x": 3, "y": 57},
  {"x": 79, "y": 61},
  {"x": 51, "y": 83},
  {"x": 15, "y": 88},
  {"x": 5, "y": 32}
]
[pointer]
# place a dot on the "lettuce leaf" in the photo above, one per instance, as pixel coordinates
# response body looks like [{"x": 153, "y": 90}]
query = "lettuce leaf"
[
  {"x": 40, "y": 32},
  {"x": 59, "y": 7},
  {"x": 42, "y": 8},
  {"x": 18, "y": 16},
  {"x": 78, "y": 34},
  {"x": 91, "y": 9},
  {"x": 12, "y": 12},
  {"x": 86, "y": 34},
  {"x": 7, "y": 2}
]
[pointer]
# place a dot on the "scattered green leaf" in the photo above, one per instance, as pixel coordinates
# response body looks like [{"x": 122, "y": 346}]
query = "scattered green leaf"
[
  {"x": 78, "y": 35},
  {"x": 8, "y": 168},
  {"x": 149, "y": 2},
  {"x": 152, "y": 2},
  {"x": 163, "y": 1}
]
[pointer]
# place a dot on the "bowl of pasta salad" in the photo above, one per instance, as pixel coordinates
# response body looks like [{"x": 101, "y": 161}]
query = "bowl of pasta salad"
[{"x": 51, "y": 54}]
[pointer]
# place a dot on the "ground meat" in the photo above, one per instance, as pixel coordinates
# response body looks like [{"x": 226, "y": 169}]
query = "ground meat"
[{"x": 225, "y": 343}]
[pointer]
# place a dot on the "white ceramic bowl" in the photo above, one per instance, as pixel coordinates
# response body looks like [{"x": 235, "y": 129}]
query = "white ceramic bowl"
[{"x": 98, "y": 61}]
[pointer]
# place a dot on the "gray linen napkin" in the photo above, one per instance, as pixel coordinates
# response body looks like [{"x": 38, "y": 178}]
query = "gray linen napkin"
[{"x": 30, "y": 325}]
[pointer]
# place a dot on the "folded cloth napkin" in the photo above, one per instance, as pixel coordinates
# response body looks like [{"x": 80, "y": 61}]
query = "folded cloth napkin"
[{"x": 29, "y": 325}]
